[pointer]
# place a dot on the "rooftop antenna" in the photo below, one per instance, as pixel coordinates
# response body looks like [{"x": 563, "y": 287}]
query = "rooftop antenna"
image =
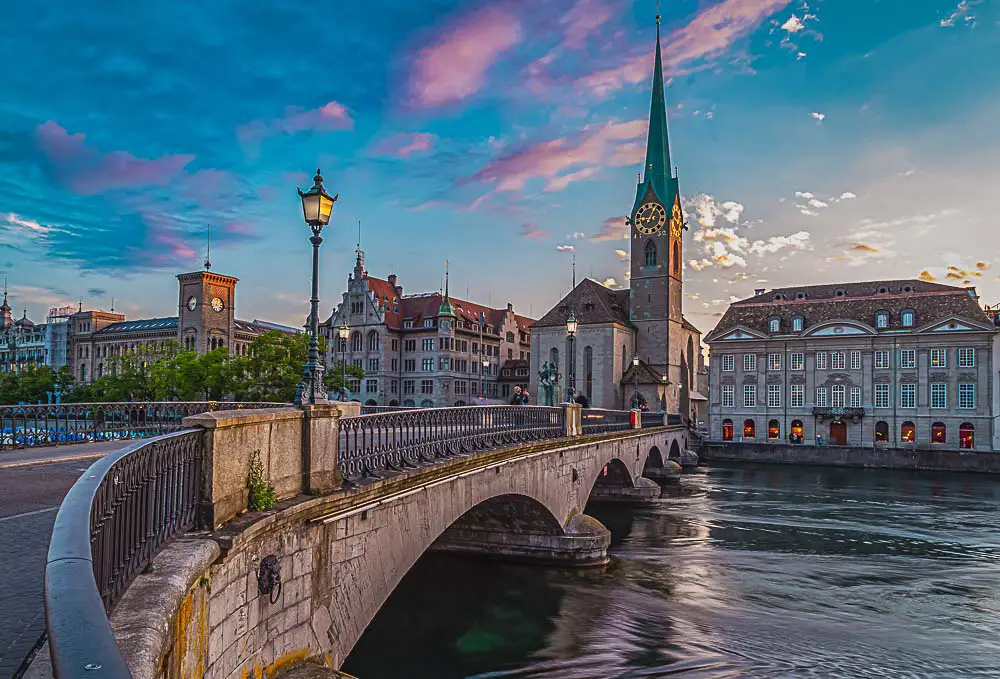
[
  {"x": 112, "y": 305},
  {"x": 81, "y": 305},
  {"x": 208, "y": 251}
]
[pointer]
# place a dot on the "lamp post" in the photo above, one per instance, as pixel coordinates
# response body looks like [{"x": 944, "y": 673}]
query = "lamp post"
[
  {"x": 482, "y": 374},
  {"x": 317, "y": 205},
  {"x": 343, "y": 333},
  {"x": 571, "y": 326},
  {"x": 485, "y": 361},
  {"x": 635, "y": 377}
]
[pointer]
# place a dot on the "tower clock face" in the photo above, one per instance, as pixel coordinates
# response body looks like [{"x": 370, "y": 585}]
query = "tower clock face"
[
  {"x": 650, "y": 218},
  {"x": 676, "y": 221},
  {"x": 217, "y": 304},
  {"x": 192, "y": 303}
]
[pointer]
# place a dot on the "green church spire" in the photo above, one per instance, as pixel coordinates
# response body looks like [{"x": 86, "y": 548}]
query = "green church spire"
[{"x": 446, "y": 309}]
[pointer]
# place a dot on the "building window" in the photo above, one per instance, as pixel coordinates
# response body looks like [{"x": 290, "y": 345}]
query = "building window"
[
  {"x": 881, "y": 360},
  {"x": 881, "y": 432},
  {"x": 774, "y": 325},
  {"x": 966, "y": 358},
  {"x": 428, "y": 344},
  {"x": 966, "y": 436},
  {"x": 428, "y": 322},
  {"x": 939, "y": 395},
  {"x": 907, "y": 358},
  {"x": 855, "y": 397},
  {"x": 881, "y": 395},
  {"x": 408, "y": 386},
  {"x": 774, "y": 362},
  {"x": 773, "y": 430},
  {"x": 444, "y": 364},
  {"x": 650, "y": 254},
  {"x": 855, "y": 360},
  {"x": 728, "y": 363},
  {"x": 357, "y": 343},
  {"x": 820, "y": 360},
  {"x": 774, "y": 396},
  {"x": 749, "y": 395},
  {"x": 426, "y": 386},
  {"x": 907, "y": 396},
  {"x": 838, "y": 360},
  {"x": 373, "y": 341},
  {"x": 427, "y": 365},
  {"x": 939, "y": 358},
  {"x": 839, "y": 392},
  {"x": 882, "y": 320},
  {"x": 797, "y": 395},
  {"x": 461, "y": 388},
  {"x": 372, "y": 365},
  {"x": 554, "y": 359},
  {"x": 907, "y": 433},
  {"x": 797, "y": 323},
  {"x": 727, "y": 430},
  {"x": 796, "y": 430},
  {"x": 966, "y": 396},
  {"x": 727, "y": 395},
  {"x": 907, "y": 319},
  {"x": 796, "y": 361},
  {"x": 820, "y": 397},
  {"x": 588, "y": 371},
  {"x": 939, "y": 433},
  {"x": 749, "y": 429},
  {"x": 749, "y": 363},
  {"x": 371, "y": 386},
  {"x": 409, "y": 365}
]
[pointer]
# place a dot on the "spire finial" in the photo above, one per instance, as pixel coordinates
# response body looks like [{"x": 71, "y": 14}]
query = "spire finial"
[
  {"x": 446, "y": 279},
  {"x": 657, "y": 18},
  {"x": 208, "y": 251},
  {"x": 81, "y": 305},
  {"x": 112, "y": 305},
  {"x": 574, "y": 271}
]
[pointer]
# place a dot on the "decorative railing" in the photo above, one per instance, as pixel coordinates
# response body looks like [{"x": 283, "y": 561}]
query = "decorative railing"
[
  {"x": 375, "y": 410},
  {"x": 653, "y": 419},
  {"x": 111, "y": 524},
  {"x": 599, "y": 421},
  {"x": 45, "y": 425},
  {"x": 370, "y": 444}
]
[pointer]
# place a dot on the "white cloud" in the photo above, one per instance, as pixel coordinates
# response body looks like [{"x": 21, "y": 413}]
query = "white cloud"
[
  {"x": 793, "y": 24},
  {"x": 847, "y": 195},
  {"x": 816, "y": 202},
  {"x": 577, "y": 234},
  {"x": 565, "y": 248},
  {"x": 804, "y": 194},
  {"x": 962, "y": 11},
  {"x": 708, "y": 210},
  {"x": 795, "y": 241},
  {"x": 610, "y": 283},
  {"x": 622, "y": 254},
  {"x": 806, "y": 211},
  {"x": 800, "y": 55},
  {"x": 28, "y": 224},
  {"x": 818, "y": 116}
]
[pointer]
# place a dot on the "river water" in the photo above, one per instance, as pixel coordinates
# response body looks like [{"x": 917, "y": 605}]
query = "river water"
[{"x": 762, "y": 571}]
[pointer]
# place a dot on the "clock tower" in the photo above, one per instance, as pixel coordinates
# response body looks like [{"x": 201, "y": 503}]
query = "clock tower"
[
  {"x": 656, "y": 229},
  {"x": 206, "y": 311}
]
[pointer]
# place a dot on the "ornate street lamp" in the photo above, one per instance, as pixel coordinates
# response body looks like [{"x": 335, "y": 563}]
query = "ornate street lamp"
[
  {"x": 482, "y": 377},
  {"x": 317, "y": 205},
  {"x": 343, "y": 333},
  {"x": 635, "y": 376},
  {"x": 571, "y": 326}
]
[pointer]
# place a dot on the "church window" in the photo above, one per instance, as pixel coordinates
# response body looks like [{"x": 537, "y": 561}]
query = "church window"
[
  {"x": 373, "y": 343},
  {"x": 357, "y": 343},
  {"x": 650, "y": 254},
  {"x": 677, "y": 259},
  {"x": 588, "y": 371}
]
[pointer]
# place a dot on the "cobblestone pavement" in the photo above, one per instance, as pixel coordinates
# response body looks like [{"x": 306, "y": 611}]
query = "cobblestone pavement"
[{"x": 29, "y": 498}]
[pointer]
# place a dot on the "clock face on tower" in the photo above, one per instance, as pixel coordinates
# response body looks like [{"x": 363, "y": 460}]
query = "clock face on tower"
[
  {"x": 676, "y": 221},
  {"x": 192, "y": 303},
  {"x": 217, "y": 304},
  {"x": 650, "y": 218}
]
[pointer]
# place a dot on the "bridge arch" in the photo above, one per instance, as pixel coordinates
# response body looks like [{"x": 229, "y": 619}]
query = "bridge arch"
[
  {"x": 675, "y": 451},
  {"x": 654, "y": 461}
]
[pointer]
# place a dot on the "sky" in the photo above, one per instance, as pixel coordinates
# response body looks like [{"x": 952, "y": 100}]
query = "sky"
[{"x": 818, "y": 141}]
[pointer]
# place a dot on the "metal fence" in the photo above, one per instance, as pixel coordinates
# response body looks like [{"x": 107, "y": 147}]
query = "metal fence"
[
  {"x": 375, "y": 410},
  {"x": 64, "y": 423},
  {"x": 653, "y": 419},
  {"x": 111, "y": 524},
  {"x": 598, "y": 421},
  {"x": 394, "y": 441}
]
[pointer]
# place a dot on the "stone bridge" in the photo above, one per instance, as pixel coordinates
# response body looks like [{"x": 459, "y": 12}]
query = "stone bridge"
[{"x": 340, "y": 555}]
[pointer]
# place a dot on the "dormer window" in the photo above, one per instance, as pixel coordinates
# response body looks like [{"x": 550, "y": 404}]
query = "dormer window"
[
  {"x": 797, "y": 323},
  {"x": 800, "y": 295},
  {"x": 778, "y": 297},
  {"x": 907, "y": 318},
  {"x": 882, "y": 320},
  {"x": 774, "y": 325},
  {"x": 907, "y": 288},
  {"x": 883, "y": 290},
  {"x": 840, "y": 293}
]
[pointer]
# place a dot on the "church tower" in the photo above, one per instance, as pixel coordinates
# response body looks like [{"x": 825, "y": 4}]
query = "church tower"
[{"x": 656, "y": 228}]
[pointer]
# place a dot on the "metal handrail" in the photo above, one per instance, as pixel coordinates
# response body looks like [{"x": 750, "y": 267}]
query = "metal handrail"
[
  {"x": 599, "y": 420},
  {"x": 117, "y": 516},
  {"x": 27, "y": 426}
]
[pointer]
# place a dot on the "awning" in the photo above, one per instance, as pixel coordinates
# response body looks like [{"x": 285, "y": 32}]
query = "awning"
[{"x": 697, "y": 396}]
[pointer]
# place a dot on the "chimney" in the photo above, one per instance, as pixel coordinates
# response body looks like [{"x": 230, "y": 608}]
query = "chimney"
[
  {"x": 972, "y": 293},
  {"x": 392, "y": 279},
  {"x": 399, "y": 291},
  {"x": 759, "y": 291},
  {"x": 510, "y": 307}
]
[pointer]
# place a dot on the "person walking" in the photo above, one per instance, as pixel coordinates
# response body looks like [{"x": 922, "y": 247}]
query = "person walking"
[
  {"x": 516, "y": 398},
  {"x": 524, "y": 397}
]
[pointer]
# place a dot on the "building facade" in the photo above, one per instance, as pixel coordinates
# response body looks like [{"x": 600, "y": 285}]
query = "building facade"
[
  {"x": 23, "y": 345},
  {"x": 644, "y": 322},
  {"x": 425, "y": 350},
  {"x": 895, "y": 363}
]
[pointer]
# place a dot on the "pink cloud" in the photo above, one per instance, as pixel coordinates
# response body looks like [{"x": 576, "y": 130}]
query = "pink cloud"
[
  {"x": 329, "y": 117},
  {"x": 454, "y": 68},
  {"x": 238, "y": 228},
  {"x": 533, "y": 232},
  {"x": 560, "y": 161},
  {"x": 404, "y": 145},
  {"x": 613, "y": 228},
  {"x": 87, "y": 171},
  {"x": 583, "y": 21},
  {"x": 429, "y": 205}
]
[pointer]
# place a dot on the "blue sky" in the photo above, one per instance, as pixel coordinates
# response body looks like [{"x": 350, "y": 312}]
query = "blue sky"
[{"x": 819, "y": 141}]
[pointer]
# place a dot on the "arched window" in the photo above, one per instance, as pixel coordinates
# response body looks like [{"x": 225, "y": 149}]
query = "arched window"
[
  {"x": 373, "y": 341},
  {"x": 838, "y": 391},
  {"x": 774, "y": 325},
  {"x": 939, "y": 433},
  {"x": 907, "y": 433},
  {"x": 797, "y": 323},
  {"x": 882, "y": 320},
  {"x": 650, "y": 253},
  {"x": 409, "y": 403},
  {"x": 907, "y": 318},
  {"x": 357, "y": 343},
  {"x": 677, "y": 259},
  {"x": 83, "y": 373},
  {"x": 796, "y": 431},
  {"x": 554, "y": 359},
  {"x": 427, "y": 403},
  {"x": 749, "y": 429},
  {"x": 99, "y": 371},
  {"x": 773, "y": 430},
  {"x": 588, "y": 371},
  {"x": 727, "y": 430},
  {"x": 881, "y": 432},
  {"x": 967, "y": 436}
]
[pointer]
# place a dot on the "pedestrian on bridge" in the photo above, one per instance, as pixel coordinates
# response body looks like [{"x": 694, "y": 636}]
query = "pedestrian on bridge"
[{"x": 517, "y": 399}]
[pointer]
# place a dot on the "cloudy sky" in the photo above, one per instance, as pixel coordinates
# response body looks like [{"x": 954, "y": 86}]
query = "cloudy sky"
[{"x": 834, "y": 140}]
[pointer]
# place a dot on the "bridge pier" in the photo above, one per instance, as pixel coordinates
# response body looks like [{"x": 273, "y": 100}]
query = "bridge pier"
[
  {"x": 668, "y": 473},
  {"x": 644, "y": 491}
]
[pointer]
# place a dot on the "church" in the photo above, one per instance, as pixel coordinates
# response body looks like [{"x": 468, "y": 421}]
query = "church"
[{"x": 631, "y": 345}]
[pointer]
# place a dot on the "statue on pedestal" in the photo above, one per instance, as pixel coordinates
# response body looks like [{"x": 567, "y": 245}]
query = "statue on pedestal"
[{"x": 547, "y": 380}]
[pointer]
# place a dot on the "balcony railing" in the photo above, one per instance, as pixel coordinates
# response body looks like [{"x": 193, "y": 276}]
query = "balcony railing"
[{"x": 599, "y": 421}]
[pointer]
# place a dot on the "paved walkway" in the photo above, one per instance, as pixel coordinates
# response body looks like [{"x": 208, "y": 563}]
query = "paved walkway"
[{"x": 28, "y": 457}]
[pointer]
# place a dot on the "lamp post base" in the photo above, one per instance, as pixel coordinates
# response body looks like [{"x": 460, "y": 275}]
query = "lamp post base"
[{"x": 311, "y": 389}]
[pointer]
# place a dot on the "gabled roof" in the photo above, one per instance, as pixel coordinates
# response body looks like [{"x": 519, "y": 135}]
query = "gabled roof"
[{"x": 591, "y": 303}]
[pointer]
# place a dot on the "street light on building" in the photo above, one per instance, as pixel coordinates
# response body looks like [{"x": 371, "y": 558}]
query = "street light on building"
[
  {"x": 317, "y": 205},
  {"x": 571, "y": 326},
  {"x": 635, "y": 376},
  {"x": 343, "y": 333}
]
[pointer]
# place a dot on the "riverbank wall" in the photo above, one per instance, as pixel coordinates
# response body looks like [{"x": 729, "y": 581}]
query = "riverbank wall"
[{"x": 849, "y": 456}]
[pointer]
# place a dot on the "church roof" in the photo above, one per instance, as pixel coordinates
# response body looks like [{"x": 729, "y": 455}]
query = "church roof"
[
  {"x": 140, "y": 325},
  {"x": 591, "y": 303}
]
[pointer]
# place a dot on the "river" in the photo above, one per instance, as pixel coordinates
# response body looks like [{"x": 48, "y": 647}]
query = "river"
[{"x": 749, "y": 571}]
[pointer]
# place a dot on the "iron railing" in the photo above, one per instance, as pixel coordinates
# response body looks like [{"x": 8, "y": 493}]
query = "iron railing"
[
  {"x": 111, "y": 524},
  {"x": 375, "y": 410},
  {"x": 599, "y": 421},
  {"x": 370, "y": 444},
  {"x": 652, "y": 418},
  {"x": 62, "y": 423}
]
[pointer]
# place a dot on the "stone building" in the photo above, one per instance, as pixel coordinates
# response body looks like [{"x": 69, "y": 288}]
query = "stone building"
[
  {"x": 891, "y": 363},
  {"x": 645, "y": 321},
  {"x": 424, "y": 350},
  {"x": 22, "y": 342}
]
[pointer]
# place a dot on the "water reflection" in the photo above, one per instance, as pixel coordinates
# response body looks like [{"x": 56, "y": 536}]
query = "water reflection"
[{"x": 749, "y": 571}]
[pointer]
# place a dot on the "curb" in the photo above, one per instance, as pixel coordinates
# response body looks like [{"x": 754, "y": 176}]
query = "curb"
[{"x": 52, "y": 460}]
